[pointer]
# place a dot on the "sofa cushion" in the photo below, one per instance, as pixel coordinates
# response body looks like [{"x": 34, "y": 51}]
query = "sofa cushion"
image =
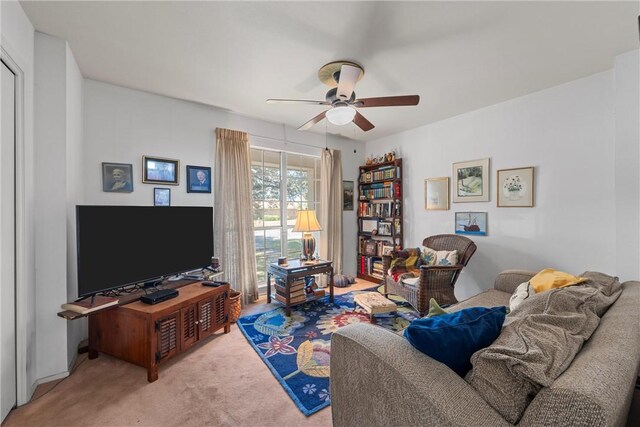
[
  {"x": 522, "y": 292},
  {"x": 538, "y": 342},
  {"x": 453, "y": 338},
  {"x": 551, "y": 279}
]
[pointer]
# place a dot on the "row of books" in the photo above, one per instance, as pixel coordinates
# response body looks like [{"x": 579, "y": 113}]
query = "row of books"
[
  {"x": 377, "y": 191},
  {"x": 374, "y": 247},
  {"x": 379, "y": 210},
  {"x": 297, "y": 291},
  {"x": 371, "y": 266},
  {"x": 388, "y": 172}
]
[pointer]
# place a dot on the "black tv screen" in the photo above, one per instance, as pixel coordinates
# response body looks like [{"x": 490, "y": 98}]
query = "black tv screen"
[{"x": 123, "y": 245}]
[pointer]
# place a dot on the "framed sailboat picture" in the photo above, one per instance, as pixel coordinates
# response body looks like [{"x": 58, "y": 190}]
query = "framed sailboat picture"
[{"x": 474, "y": 223}]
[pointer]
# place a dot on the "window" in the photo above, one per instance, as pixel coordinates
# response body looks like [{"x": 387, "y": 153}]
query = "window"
[{"x": 282, "y": 184}]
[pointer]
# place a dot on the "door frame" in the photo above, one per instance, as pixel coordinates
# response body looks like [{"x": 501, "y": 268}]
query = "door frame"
[{"x": 24, "y": 390}]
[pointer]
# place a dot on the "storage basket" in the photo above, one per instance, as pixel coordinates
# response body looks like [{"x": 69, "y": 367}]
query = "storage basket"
[{"x": 235, "y": 306}]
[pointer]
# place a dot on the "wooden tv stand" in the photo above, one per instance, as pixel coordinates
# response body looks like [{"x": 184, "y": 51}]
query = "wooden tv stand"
[{"x": 147, "y": 335}]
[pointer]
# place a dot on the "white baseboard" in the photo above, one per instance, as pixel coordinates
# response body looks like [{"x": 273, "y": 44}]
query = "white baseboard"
[{"x": 52, "y": 378}]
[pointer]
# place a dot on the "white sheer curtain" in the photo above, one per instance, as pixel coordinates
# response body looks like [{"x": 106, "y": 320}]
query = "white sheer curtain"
[
  {"x": 331, "y": 208},
  {"x": 233, "y": 223}
]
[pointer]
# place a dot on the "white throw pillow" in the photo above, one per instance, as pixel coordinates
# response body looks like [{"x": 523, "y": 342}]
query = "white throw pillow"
[
  {"x": 432, "y": 257},
  {"x": 522, "y": 292}
]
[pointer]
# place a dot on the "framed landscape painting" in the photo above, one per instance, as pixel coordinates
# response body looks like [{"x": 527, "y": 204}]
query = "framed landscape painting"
[
  {"x": 515, "y": 188},
  {"x": 471, "y": 181},
  {"x": 347, "y": 195},
  {"x": 474, "y": 223},
  {"x": 436, "y": 194},
  {"x": 156, "y": 170}
]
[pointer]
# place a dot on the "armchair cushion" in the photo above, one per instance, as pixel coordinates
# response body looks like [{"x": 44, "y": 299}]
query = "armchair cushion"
[
  {"x": 433, "y": 257},
  {"x": 403, "y": 262},
  {"x": 452, "y": 338}
]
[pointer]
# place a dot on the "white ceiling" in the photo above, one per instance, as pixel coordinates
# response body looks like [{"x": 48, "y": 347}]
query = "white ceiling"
[{"x": 458, "y": 56}]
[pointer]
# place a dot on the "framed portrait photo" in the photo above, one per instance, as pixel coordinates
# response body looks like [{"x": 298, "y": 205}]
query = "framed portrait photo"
[
  {"x": 156, "y": 170},
  {"x": 474, "y": 223},
  {"x": 347, "y": 195},
  {"x": 515, "y": 187},
  {"x": 161, "y": 197},
  {"x": 471, "y": 181},
  {"x": 198, "y": 179},
  {"x": 436, "y": 194},
  {"x": 117, "y": 177},
  {"x": 384, "y": 228}
]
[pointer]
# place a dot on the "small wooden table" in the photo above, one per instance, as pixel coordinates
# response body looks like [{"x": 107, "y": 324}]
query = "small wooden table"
[{"x": 295, "y": 270}]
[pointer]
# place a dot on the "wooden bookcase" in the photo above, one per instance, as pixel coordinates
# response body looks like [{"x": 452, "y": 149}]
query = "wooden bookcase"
[
  {"x": 147, "y": 335},
  {"x": 380, "y": 209}
]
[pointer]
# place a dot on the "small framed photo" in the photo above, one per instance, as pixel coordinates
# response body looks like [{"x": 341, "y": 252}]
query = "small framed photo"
[
  {"x": 384, "y": 228},
  {"x": 471, "y": 181},
  {"x": 198, "y": 179},
  {"x": 117, "y": 177},
  {"x": 515, "y": 187},
  {"x": 474, "y": 223},
  {"x": 436, "y": 194},
  {"x": 387, "y": 249},
  {"x": 156, "y": 170},
  {"x": 369, "y": 226},
  {"x": 370, "y": 247},
  {"x": 161, "y": 197},
  {"x": 347, "y": 195}
]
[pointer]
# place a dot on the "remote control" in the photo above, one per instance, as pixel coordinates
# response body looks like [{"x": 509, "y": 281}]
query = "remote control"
[{"x": 212, "y": 284}]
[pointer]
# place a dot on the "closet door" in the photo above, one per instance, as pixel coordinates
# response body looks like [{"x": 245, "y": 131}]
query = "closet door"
[{"x": 7, "y": 245}]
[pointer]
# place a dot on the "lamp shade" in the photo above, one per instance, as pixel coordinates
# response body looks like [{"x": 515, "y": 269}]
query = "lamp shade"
[
  {"x": 340, "y": 115},
  {"x": 306, "y": 221}
]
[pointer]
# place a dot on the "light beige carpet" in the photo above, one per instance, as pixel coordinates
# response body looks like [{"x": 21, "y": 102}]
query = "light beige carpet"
[{"x": 220, "y": 382}]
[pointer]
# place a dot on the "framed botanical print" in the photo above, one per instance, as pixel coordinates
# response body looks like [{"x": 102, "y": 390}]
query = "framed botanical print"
[
  {"x": 471, "y": 181},
  {"x": 436, "y": 193},
  {"x": 515, "y": 187}
]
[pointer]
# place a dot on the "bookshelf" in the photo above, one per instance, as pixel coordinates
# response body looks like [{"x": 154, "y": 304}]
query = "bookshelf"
[{"x": 379, "y": 216}]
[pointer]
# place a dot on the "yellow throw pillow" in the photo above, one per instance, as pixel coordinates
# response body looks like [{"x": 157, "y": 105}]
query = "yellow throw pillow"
[{"x": 550, "y": 279}]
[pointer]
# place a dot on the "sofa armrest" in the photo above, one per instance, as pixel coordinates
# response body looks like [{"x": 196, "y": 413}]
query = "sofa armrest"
[
  {"x": 379, "y": 379},
  {"x": 508, "y": 280}
]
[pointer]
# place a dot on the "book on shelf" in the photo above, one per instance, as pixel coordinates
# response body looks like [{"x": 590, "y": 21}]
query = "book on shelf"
[{"x": 85, "y": 306}]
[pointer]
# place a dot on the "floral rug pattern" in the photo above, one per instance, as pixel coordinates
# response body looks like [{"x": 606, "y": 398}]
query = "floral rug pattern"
[{"x": 297, "y": 349}]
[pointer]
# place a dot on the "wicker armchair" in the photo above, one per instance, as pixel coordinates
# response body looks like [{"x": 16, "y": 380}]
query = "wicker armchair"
[{"x": 435, "y": 281}]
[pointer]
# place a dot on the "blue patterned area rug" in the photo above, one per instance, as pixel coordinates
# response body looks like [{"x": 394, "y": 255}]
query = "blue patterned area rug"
[{"x": 297, "y": 349}]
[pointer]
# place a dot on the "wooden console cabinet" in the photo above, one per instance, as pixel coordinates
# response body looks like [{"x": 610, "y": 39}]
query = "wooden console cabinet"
[{"x": 147, "y": 335}]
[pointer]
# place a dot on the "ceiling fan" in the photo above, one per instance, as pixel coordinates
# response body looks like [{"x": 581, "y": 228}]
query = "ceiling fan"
[{"x": 342, "y": 77}]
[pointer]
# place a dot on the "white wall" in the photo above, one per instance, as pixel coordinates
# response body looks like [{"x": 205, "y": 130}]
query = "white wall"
[
  {"x": 18, "y": 43},
  {"x": 58, "y": 139},
  {"x": 77, "y": 330},
  {"x": 567, "y": 133},
  {"x": 121, "y": 125},
  {"x": 627, "y": 159}
]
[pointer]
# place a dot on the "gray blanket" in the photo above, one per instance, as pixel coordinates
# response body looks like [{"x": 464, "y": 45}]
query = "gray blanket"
[{"x": 539, "y": 340}]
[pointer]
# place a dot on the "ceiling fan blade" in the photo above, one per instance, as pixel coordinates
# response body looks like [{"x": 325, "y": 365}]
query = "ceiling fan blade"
[
  {"x": 347, "y": 81},
  {"x": 313, "y": 121},
  {"x": 362, "y": 122},
  {"x": 296, "y": 101},
  {"x": 387, "y": 101}
]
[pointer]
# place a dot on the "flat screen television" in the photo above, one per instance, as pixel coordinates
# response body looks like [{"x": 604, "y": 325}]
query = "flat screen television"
[{"x": 124, "y": 245}]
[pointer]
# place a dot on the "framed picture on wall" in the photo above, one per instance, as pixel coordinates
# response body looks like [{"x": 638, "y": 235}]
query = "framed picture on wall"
[
  {"x": 474, "y": 223},
  {"x": 156, "y": 170},
  {"x": 161, "y": 197},
  {"x": 436, "y": 194},
  {"x": 471, "y": 181},
  {"x": 198, "y": 179},
  {"x": 347, "y": 195},
  {"x": 117, "y": 177},
  {"x": 515, "y": 187}
]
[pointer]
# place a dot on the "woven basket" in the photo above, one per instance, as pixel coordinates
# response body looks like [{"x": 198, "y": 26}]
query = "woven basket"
[{"x": 235, "y": 307}]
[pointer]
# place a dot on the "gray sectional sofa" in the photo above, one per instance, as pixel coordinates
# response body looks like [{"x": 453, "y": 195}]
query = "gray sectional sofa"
[{"x": 379, "y": 379}]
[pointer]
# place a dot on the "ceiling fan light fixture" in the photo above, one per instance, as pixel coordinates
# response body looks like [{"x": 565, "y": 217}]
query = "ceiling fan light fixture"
[{"x": 340, "y": 116}]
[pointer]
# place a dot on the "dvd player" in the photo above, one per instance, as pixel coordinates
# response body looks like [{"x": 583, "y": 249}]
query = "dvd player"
[{"x": 159, "y": 296}]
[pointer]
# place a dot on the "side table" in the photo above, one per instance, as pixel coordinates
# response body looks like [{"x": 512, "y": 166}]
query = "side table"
[{"x": 295, "y": 270}]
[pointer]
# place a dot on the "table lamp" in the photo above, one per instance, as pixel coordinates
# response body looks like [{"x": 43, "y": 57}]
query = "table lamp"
[{"x": 306, "y": 222}]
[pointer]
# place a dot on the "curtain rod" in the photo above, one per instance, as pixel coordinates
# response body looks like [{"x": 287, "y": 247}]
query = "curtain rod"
[{"x": 286, "y": 142}]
